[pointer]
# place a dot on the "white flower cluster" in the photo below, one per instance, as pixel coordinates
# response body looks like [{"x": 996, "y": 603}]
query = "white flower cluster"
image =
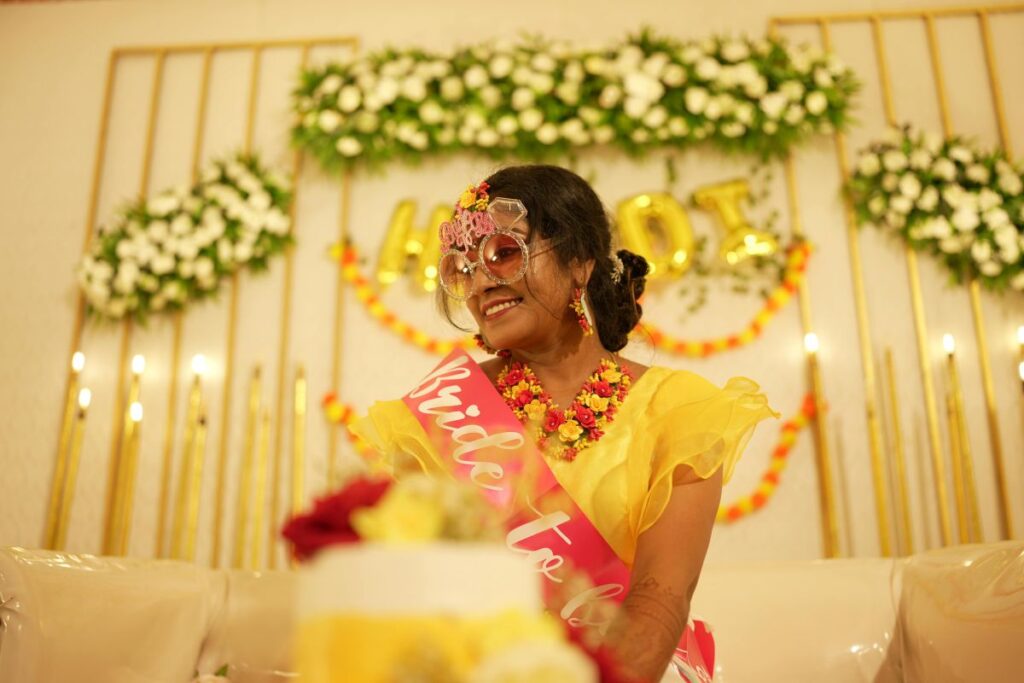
[
  {"x": 176, "y": 247},
  {"x": 533, "y": 99},
  {"x": 946, "y": 196}
]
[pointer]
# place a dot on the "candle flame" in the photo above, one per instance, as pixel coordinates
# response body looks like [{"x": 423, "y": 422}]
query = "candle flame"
[
  {"x": 811, "y": 343},
  {"x": 135, "y": 412},
  {"x": 948, "y": 343},
  {"x": 199, "y": 366},
  {"x": 138, "y": 364},
  {"x": 84, "y": 398},
  {"x": 78, "y": 361}
]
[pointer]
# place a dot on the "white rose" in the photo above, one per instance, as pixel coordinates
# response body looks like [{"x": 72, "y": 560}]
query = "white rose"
[
  {"x": 817, "y": 102},
  {"x": 116, "y": 308},
  {"x": 635, "y": 107},
  {"x": 655, "y": 117},
  {"x": 929, "y": 199},
  {"x": 186, "y": 269},
  {"x": 542, "y": 62},
  {"x": 978, "y": 173},
  {"x": 125, "y": 249},
  {"x": 961, "y": 154},
  {"x": 243, "y": 252},
  {"x": 770, "y": 127},
  {"x": 610, "y": 96},
  {"x": 965, "y": 218},
  {"x": 162, "y": 263},
  {"x": 756, "y": 88},
  {"x": 475, "y": 77},
  {"x": 330, "y": 84},
  {"x": 890, "y": 181},
  {"x": 521, "y": 75},
  {"x": 420, "y": 141},
  {"x": 696, "y": 100},
  {"x": 714, "y": 109},
  {"x": 163, "y": 205},
  {"x": 451, "y": 88},
  {"x": 446, "y": 136},
  {"x": 595, "y": 65},
  {"x": 490, "y": 96},
  {"x": 187, "y": 249},
  {"x": 349, "y": 98},
  {"x": 260, "y": 200},
  {"x": 501, "y": 66},
  {"x": 822, "y": 78},
  {"x": 735, "y": 51},
  {"x": 349, "y": 146},
  {"x": 431, "y": 112},
  {"x": 522, "y": 98},
  {"x": 387, "y": 90},
  {"x": 708, "y": 68},
  {"x": 547, "y": 133},
  {"x": 951, "y": 245},
  {"x": 673, "y": 76},
  {"x": 932, "y": 142},
  {"x": 772, "y": 104},
  {"x": 366, "y": 122},
  {"x": 894, "y": 160},
  {"x": 507, "y": 125},
  {"x": 793, "y": 90},
  {"x": 568, "y": 92},
  {"x": 102, "y": 271},
  {"x": 987, "y": 199},
  {"x": 573, "y": 72},
  {"x": 877, "y": 205},
  {"x": 901, "y": 204},
  {"x": 895, "y": 220},
  {"x": 487, "y": 137},
  {"x": 954, "y": 196},
  {"x": 1010, "y": 183},
  {"x": 991, "y": 268},
  {"x": 868, "y": 164},
  {"x": 641, "y": 85},
  {"x": 910, "y": 186},
  {"x": 1017, "y": 281},
  {"x": 920, "y": 159},
  {"x": 629, "y": 57},
  {"x": 728, "y": 78},
  {"x": 944, "y": 169},
  {"x": 531, "y": 119},
  {"x": 733, "y": 129},
  {"x": 1010, "y": 253},
  {"x": 604, "y": 134},
  {"x": 278, "y": 222},
  {"x": 542, "y": 83},
  {"x": 794, "y": 114},
  {"x": 414, "y": 89},
  {"x": 941, "y": 228},
  {"x": 640, "y": 136},
  {"x": 678, "y": 127},
  {"x": 225, "y": 251},
  {"x": 690, "y": 54},
  {"x": 996, "y": 218}
]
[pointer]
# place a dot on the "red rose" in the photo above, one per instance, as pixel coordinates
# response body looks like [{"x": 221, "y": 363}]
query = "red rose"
[
  {"x": 584, "y": 415},
  {"x": 569, "y": 454},
  {"x": 524, "y": 397},
  {"x": 514, "y": 376},
  {"x": 596, "y": 434},
  {"x": 603, "y": 389},
  {"x": 553, "y": 420},
  {"x": 329, "y": 523}
]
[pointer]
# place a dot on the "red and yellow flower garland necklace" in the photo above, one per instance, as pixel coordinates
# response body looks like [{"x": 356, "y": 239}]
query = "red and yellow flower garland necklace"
[{"x": 578, "y": 426}]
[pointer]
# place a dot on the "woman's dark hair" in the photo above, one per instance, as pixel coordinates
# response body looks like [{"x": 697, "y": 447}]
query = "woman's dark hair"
[{"x": 561, "y": 204}]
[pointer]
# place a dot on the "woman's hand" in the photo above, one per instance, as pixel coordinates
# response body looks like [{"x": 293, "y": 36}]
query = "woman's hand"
[{"x": 669, "y": 557}]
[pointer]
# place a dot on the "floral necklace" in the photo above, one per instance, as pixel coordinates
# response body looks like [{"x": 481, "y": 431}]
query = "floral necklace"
[{"x": 564, "y": 433}]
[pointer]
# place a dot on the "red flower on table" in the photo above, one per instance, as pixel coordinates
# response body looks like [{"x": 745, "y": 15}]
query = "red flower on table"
[
  {"x": 553, "y": 420},
  {"x": 329, "y": 522}
]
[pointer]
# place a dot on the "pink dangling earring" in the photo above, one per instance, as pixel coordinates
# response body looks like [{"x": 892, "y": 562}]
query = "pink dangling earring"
[
  {"x": 482, "y": 343},
  {"x": 579, "y": 306}
]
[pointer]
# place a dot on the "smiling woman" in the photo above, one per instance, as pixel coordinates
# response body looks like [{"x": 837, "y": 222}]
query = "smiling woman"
[{"x": 640, "y": 453}]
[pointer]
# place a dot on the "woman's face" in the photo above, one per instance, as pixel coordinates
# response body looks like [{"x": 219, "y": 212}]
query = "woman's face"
[{"x": 532, "y": 312}]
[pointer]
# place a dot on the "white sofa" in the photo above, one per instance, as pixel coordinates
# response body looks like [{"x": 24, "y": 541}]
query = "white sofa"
[{"x": 950, "y": 615}]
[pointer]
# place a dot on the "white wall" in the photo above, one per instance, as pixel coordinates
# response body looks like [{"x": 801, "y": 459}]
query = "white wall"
[{"x": 52, "y": 65}]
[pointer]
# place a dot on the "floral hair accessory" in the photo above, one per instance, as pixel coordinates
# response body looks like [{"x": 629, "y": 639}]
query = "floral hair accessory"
[
  {"x": 470, "y": 220},
  {"x": 617, "y": 268}
]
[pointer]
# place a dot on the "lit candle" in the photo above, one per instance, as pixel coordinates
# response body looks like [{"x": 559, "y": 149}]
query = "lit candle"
[
  {"x": 60, "y": 462},
  {"x": 252, "y": 426},
  {"x": 179, "y": 532},
  {"x": 113, "y": 537},
  {"x": 68, "y": 487},
  {"x": 826, "y": 488},
  {"x": 131, "y": 465},
  {"x": 960, "y": 448},
  {"x": 198, "y": 459}
]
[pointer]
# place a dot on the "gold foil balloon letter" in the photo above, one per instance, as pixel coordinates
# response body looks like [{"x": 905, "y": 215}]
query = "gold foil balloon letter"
[
  {"x": 404, "y": 240},
  {"x": 656, "y": 226},
  {"x": 741, "y": 240}
]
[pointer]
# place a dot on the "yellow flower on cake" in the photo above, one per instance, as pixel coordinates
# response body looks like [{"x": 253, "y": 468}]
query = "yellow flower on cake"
[
  {"x": 535, "y": 410},
  {"x": 402, "y": 516},
  {"x": 569, "y": 431}
]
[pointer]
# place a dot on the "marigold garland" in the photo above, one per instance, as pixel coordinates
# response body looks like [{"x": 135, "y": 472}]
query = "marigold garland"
[
  {"x": 752, "y": 502},
  {"x": 796, "y": 266}
]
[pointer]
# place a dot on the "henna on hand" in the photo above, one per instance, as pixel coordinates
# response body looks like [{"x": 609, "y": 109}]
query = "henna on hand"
[{"x": 647, "y": 630}]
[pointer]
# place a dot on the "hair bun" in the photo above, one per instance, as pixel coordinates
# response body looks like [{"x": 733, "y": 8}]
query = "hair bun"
[{"x": 634, "y": 266}]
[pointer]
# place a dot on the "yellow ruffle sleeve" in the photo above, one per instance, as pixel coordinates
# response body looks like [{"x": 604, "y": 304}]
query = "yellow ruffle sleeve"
[
  {"x": 398, "y": 440},
  {"x": 694, "y": 423}
]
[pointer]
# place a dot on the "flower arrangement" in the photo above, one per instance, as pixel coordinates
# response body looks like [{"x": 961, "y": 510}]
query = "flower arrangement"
[
  {"x": 564, "y": 433},
  {"x": 946, "y": 197},
  {"x": 163, "y": 253},
  {"x": 536, "y": 99},
  {"x": 415, "y": 508}
]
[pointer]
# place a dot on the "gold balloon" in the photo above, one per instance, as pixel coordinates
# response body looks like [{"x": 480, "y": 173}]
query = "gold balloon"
[
  {"x": 741, "y": 240},
  {"x": 403, "y": 241},
  {"x": 656, "y": 226}
]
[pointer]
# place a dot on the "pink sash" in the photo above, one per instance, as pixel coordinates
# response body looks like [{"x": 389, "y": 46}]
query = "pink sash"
[{"x": 483, "y": 442}]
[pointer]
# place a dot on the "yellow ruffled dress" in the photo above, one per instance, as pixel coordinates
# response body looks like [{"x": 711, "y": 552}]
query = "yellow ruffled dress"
[{"x": 623, "y": 482}]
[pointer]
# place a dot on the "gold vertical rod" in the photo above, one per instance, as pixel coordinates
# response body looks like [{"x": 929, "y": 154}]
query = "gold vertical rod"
[
  {"x": 68, "y": 488},
  {"x": 974, "y": 293},
  {"x": 131, "y": 470},
  {"x": 299, "y": 440},
  {"x": 920, "y": 322},
  {"x": 866, "y": 351},
  {"x": 245, "y": 479},
  {"x": 339, "y": 300},
  {"x": 906, "y": 530},
  {"x": 229, "y": 353},
  {"x": 178, "y": 330},
  {"x": 970, "y": 494},
  {"x": 259, "y": 499},
  {"x": 282, "y": 362},
  {"x": 60, "y": 465},
  {"x": 955, "y": 441},
  {"x": 192, "y": 414},
  {"x": 1005, "y": 514},
  {"x": 196, "y": 486}
]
